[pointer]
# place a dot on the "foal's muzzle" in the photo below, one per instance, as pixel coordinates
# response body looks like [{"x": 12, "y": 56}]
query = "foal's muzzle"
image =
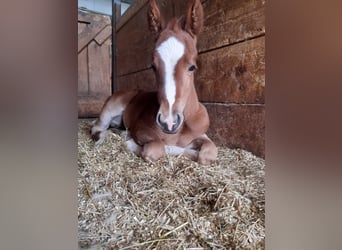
[{"x": 170, "y": 126}]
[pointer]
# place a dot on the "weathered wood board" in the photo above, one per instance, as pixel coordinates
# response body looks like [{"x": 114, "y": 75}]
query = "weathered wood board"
[
  {"x": 228, "y": 22},
  {"x": 90, "y": 106},
  {"x": 99, "y": 69},
  {"x": 94, "y": 62},
  {"x": 94, "y": 24},
  {"x": 141, "y": 80},
  {"x": 83, "y": 83},
  {"x": 238, "y": 126},
  {"x": 233, "y": 74}
]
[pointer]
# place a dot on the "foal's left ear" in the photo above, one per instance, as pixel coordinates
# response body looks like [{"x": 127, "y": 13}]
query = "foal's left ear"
[
  {"x": 155, "y": 20},
  {"x": 194, "y": 18}
]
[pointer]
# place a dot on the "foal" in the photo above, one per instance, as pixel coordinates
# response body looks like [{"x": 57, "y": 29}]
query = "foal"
[{"x": 170, "y": 120}]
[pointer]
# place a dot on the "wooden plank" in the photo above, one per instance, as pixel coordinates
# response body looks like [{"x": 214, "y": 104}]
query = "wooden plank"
[
  {"x": 234, "y": 74},
  {"x": 117, "y": 11},
  {"x": 103, "y": 35},
  {"x": 181, "y": 7},
  {"x": 238, "y": 126},
  {"x": 83, "y": 73},
  {"x": 108, "y": 44},
  {"x": 96, "y": 24},
  {"x": 90, "y": 106},
  {"x": 90, "y": 18},
  {"x": 166, "y": 7},
  {"x": 88, "y": 34},
  {"x": 141, "y": 80},
  {"x": 99, "y": 69},
  {"x": 227, "y": 22},
  {"x": 130, "y": 13},
  {"x": 81, "y": 27},
  {"x": 135, "y": 43}
]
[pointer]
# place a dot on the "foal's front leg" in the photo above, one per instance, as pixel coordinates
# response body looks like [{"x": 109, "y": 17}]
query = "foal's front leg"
[
  {"x": 153, "y": 150},
  {"x": 150, "y": 151},
  {"x": 207, "y": 149}
]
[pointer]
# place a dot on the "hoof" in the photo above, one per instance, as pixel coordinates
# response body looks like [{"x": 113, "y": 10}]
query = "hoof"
[
  {"x": 153, "y": 151},
  {"x": 207, "y": 156},
  {"x": 96, "y": 136}
]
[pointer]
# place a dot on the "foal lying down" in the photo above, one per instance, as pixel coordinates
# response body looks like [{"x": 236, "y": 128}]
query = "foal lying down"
[{"x": 170, "y": 120}]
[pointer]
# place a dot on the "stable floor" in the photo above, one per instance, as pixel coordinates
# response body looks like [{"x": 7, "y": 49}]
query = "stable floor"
[{"x": 174, "y": 203}]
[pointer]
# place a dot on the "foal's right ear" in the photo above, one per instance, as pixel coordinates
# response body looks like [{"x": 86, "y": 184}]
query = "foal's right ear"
[
  {"x": 155, "y": 21},
  {"x": 194, "y": 18}
]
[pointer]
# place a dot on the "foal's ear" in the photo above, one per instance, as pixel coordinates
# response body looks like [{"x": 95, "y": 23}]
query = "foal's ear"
[
  {"x": 155, "y": 21},
  {"x": 194, "y": 18}
]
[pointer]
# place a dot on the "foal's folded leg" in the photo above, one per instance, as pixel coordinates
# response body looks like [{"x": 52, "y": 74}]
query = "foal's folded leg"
[
  {"x": 207, "y": 150},
  {"x": 190, "y": 153},
  {"x": 153, "y": 150},
  {"x": 111, "y": 114},
  {"x": 132, "y": 146}
]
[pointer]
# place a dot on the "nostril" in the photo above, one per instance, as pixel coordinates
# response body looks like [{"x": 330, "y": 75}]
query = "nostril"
[
  {"x": 177, "y": 122},
  {"x": 158, "y": 118},
  {"x": 179, "y": 119}
]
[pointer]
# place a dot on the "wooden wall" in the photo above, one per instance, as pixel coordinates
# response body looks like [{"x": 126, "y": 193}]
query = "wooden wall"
[
  {"x": 231, "y": 76},
  {"x": 94, "y": 62}
]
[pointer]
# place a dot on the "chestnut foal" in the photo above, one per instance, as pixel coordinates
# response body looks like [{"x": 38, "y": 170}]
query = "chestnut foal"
[{"x": 170, "y": 120}]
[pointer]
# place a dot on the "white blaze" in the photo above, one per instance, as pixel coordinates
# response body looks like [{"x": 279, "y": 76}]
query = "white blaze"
[{"x": 170, "y": 51}]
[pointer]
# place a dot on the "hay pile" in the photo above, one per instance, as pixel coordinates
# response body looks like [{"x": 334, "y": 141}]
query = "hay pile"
[{"x": 174, "y": 203}]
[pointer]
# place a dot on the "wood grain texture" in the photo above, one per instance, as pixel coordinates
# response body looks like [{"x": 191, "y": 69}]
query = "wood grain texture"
[
  {"x": 96, "y": 23},
  {"x": 133, "y": 10},
  {"x": 99, "y": 69},
  {"x": 94, "y": 62},
  {"x": 134, "y": 45},
  {"x": 81, "y": 27},
  {"x": 228, "y": 22},
  {"x": 238, "y": 126},
  {"x": 141, "y": 80},
  {"x": 83, "y": 84},
  {"x": 234, "y": 74},
  {"x": 90, "y": 106},
  {"x": 103, "y": 35}
]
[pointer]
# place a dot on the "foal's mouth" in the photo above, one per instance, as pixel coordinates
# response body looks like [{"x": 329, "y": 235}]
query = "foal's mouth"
[{"x": 170, "y": 126}]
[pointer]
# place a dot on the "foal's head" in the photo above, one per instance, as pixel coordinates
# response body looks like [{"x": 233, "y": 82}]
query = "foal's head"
[{"x": 174, "y": 62}]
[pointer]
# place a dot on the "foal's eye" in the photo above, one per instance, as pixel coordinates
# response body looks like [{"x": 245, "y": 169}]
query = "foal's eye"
[{"x": 192, "y": 68}]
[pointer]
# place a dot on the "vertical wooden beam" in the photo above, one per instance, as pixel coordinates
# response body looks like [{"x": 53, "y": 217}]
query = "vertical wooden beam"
[
  {"x": 115, "y": 7},
  {"x": 83, "y": 81},
  {"x": 117, "y": 11},
  {"x": 99, "y": 71}
]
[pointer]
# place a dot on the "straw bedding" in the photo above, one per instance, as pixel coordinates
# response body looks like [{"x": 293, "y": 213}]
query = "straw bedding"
[{"x": 174, "y": 203}]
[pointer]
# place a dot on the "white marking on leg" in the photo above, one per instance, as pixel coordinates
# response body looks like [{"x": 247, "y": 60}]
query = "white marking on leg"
[
  {"x": 174, "y": 150},
  {"x": 102, "y": 136},
  {"x": 103, "y": 122},
  {"x": 170, "y": 51},
  {"x": 133, "y": 147}
]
